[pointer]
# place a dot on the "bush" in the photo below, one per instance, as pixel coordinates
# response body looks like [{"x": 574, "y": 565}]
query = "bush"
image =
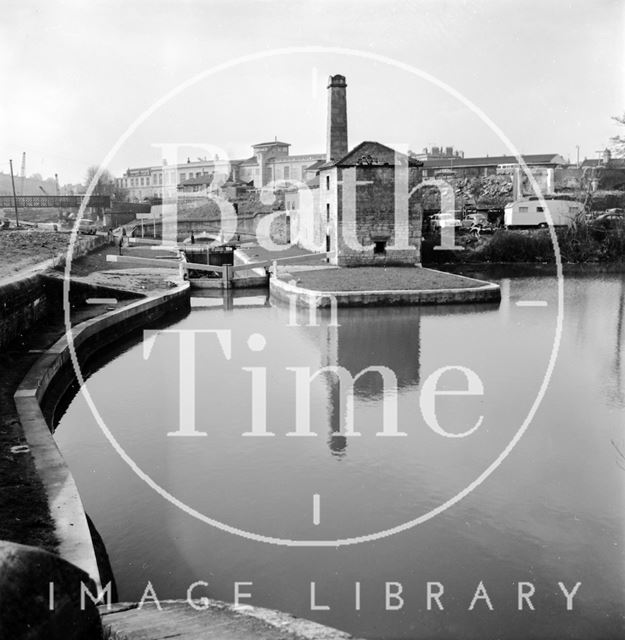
[
  {"x": 578, "y": 244},
  {"x": 517, "y": 246}
]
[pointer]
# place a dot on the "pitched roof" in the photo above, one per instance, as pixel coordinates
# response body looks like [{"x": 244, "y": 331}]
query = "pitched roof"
[
  {"x": 270, "y": 144},
  {"x": 591, "y": 162},
  {"x": 313, "y": 183},
  {"x": 316, "y": 164},
  {"x": 313, "y": 157},
  {"x": 249, "y": 161},
  {"x": 613, "y": 163},
  {"x": 372, "y": 154},
  {"x": 492, "y": 161}
]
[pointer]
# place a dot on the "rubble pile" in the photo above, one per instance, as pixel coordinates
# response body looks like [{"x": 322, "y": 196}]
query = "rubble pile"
[
  {"x": 472, "y": 192},
  {"x": 483, "y": 190}
]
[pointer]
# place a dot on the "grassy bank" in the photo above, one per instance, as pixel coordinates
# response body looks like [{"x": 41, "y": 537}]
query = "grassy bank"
[
  {"x": 379, "y": 279},
  {"x": 578, "y": 245}
]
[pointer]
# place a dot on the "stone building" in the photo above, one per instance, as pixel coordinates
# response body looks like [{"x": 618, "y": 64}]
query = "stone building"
[
  {"x": 605, "y": 172},
  {"x": 270, "y": 164},
  {"x": 363, "y": 208}
]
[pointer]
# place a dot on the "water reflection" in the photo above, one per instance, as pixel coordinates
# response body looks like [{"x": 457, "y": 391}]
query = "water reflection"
[
  {"x": 228, "y": 299},
  {"x": 547, "y": 514},
  {"x": 365, "y": 338}
]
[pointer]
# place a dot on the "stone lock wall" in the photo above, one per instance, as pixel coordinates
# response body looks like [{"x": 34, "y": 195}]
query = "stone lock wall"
[
  {"x": 26, "y": 300},
  {"x": 22, "y": 304}
]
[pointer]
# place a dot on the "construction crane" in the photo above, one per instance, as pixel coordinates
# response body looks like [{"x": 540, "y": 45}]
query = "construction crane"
[{"x": 23, "y": 173}]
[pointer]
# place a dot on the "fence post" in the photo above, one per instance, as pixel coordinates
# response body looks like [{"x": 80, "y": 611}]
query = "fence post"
[{"x": 227, "y": 276}]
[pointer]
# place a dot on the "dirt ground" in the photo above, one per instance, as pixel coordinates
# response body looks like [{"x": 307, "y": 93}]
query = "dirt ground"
[
  {"x": 24, "y": 248},
  {"x": 95, "y": 269}
]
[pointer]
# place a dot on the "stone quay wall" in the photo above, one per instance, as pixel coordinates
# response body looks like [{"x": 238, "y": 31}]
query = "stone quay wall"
[
  {"x": 66, "y": 509},
  {"x": 26, "y": 298}
]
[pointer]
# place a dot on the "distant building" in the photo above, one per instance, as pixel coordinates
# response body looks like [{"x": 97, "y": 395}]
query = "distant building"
[
  {"x": 605, "y": 172},
  {"x": 270, "y": 164},
  {"x": 461, "y": 167},
  {"x": 193, "y": 185},
  {"x": 159, "y": 180},
  {"x": 438, "y": 153}
]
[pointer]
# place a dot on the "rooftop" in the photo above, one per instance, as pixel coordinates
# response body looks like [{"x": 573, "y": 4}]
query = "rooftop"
[
  {"x": 372, "y": 154},
  {"x": 493, "y": 161},
  {"x": 273, "y": 143}
]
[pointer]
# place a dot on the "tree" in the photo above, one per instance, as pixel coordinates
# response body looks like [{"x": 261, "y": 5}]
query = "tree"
[
  {"x": 106, "y": 185},
  {"x": 618, "y": 142}
]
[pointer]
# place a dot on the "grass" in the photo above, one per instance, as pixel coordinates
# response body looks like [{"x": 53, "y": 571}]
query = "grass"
[
  {"x": 258, "y": 253},
  {"x": 379, "y": 278}
]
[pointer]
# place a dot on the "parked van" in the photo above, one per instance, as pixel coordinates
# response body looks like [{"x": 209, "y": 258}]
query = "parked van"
[
  {"x": 530, "y": 213},
  {"x": 87, "y": 226}
]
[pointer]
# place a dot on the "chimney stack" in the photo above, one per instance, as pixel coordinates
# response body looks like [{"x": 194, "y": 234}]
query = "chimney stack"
[{"x": 337, "y": 118}]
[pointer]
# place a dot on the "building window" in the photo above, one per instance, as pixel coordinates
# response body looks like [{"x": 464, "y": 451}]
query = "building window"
[
  {"x": 379, "y": 247},
  {"x": 328, "y": 183},
  {"x": 287, "y": 172},
  {"x": 523, "y": 209},
  {"x": 328, "y": 212},
  {"x": 539, "y": 209},
  {"x": 183, "y": 176}
]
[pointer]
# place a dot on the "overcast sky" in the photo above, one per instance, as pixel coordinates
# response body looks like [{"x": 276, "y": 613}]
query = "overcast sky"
[{"x": 75, "y": 75}]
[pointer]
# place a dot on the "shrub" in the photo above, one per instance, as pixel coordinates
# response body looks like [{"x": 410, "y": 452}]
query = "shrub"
[{"x": 578, "y": 244}]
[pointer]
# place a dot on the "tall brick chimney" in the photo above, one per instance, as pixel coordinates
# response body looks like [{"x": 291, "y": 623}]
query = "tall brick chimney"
[{"x": 337, "y": 118}]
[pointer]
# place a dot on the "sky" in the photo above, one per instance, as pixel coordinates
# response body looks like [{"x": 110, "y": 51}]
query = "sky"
[{"x": 77, "y": 75}]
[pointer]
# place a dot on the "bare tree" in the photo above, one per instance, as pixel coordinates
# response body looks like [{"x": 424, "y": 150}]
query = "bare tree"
[
  {"x": 106, "y": 185},
  {"x": 618, "y": 142}
]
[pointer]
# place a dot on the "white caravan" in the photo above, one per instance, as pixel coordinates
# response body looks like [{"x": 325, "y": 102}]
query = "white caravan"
[{"x": 530, "y": 213}]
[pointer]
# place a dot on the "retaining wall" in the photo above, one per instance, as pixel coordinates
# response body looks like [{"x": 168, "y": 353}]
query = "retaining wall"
[
  {"x": 64, "y": 501},
  {"x": 285, "y": 292},
  {"x": 25, "y": 299}
]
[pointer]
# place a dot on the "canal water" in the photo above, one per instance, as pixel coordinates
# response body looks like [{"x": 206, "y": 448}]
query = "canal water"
[{"x": 471, "y": 515}]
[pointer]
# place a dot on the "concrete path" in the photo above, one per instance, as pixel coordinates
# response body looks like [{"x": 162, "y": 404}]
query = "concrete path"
[{"x": 218, "y": 621}]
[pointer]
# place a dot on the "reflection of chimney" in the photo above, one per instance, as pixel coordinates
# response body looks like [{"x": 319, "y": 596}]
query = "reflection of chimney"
[{"x": 337, "y": 118}]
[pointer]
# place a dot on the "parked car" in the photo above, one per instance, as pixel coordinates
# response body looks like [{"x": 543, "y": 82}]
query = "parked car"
[
  {"x": 88, "y": 227},
  {"x": 611, "y": 219},
  {"x": 441, "y": 220},
  {"x": 474, "y": 219}
]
